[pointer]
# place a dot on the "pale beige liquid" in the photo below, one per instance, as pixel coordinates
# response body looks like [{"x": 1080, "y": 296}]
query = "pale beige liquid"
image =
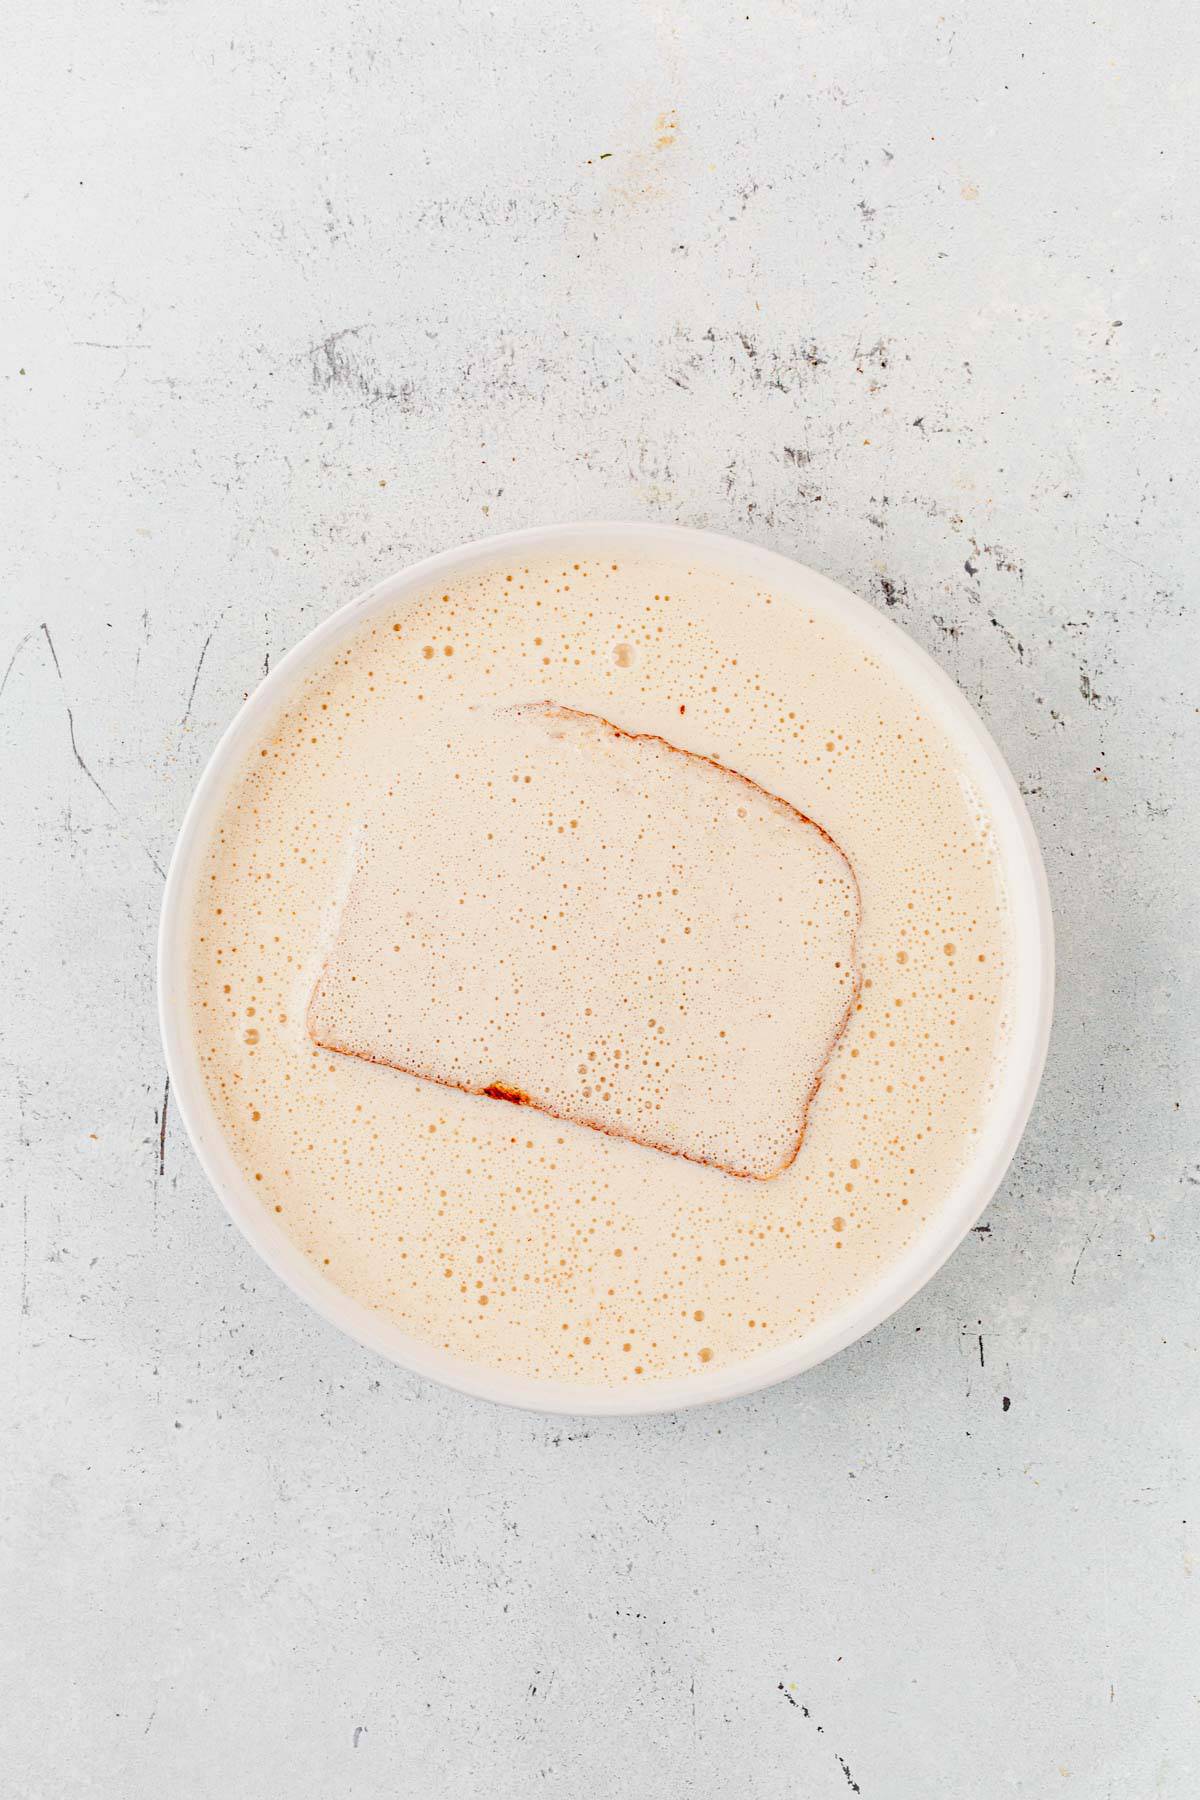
[{"x": 506, "y": 1235}]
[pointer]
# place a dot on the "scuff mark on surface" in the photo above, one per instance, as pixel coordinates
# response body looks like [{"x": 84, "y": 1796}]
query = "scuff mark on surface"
[
  {"x": 854, "y": 1787},
  {"x": 338, "y": 362},
  {"x": 107, "y": 798},
  {"x": 1074, "y": 1272},
  {"x": 187, "y": 711},
  {"x": 53, "y": 651},
  {"x": 1005, "y": 560},
  {"x": 1014, "y": 643},
  {"x": 331, "y": 365},
  {"x": 32, "y": 632},
  {"x": 162, "y": 1129},
  {"x": 877, "y": 354},
  {"x": 820, "y": 1731}
]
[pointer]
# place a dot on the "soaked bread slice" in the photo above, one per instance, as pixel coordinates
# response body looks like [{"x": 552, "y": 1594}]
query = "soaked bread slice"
[{"x": 595, "y": 923}]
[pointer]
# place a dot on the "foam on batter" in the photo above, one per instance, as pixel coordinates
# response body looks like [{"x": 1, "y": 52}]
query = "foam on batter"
[{"x": 527, "y": 1241}]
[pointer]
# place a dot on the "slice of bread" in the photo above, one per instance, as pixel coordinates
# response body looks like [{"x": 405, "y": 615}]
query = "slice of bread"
[{"x": 623, "y": 934}]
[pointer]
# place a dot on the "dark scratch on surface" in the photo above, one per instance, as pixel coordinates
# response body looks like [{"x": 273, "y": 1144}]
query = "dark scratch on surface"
[
  {"x": 106, "y": 797},
  {"x": 981, "y": 1361},
  {"x": 53, "y": 651},
  {"x": 12, "y": 659},
  {"x": 982, "y": 1230},
  {"x": 1074, "y": 1272},
  {"x": 1014, "y": 643},
  {"x": 187, "y": 711},
  {"x": 359, "y": 1731},
  {"x": 162, "y": 1129},
  {"x": 792, "y": 1701},
  {"x": 82, "y": 764},
  {"x": 842, "y": 1764}
]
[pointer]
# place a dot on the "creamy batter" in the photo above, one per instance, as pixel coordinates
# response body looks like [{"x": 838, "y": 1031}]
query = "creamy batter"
[{"x": 531, "y": 1243}]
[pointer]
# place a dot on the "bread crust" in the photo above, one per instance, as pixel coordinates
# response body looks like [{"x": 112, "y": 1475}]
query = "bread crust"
[{"x": 516, "y": 1096}]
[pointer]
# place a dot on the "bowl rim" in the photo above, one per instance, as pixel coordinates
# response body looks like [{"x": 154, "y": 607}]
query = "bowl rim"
[{"x": 1032, "y": 1001}]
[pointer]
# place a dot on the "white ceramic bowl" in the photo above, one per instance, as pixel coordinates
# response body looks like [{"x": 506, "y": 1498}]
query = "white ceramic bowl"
[{"x": 1032, "y": 997}]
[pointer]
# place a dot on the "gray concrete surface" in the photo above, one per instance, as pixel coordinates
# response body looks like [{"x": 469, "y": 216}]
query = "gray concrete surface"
[{"x": 299, "y": 294}]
